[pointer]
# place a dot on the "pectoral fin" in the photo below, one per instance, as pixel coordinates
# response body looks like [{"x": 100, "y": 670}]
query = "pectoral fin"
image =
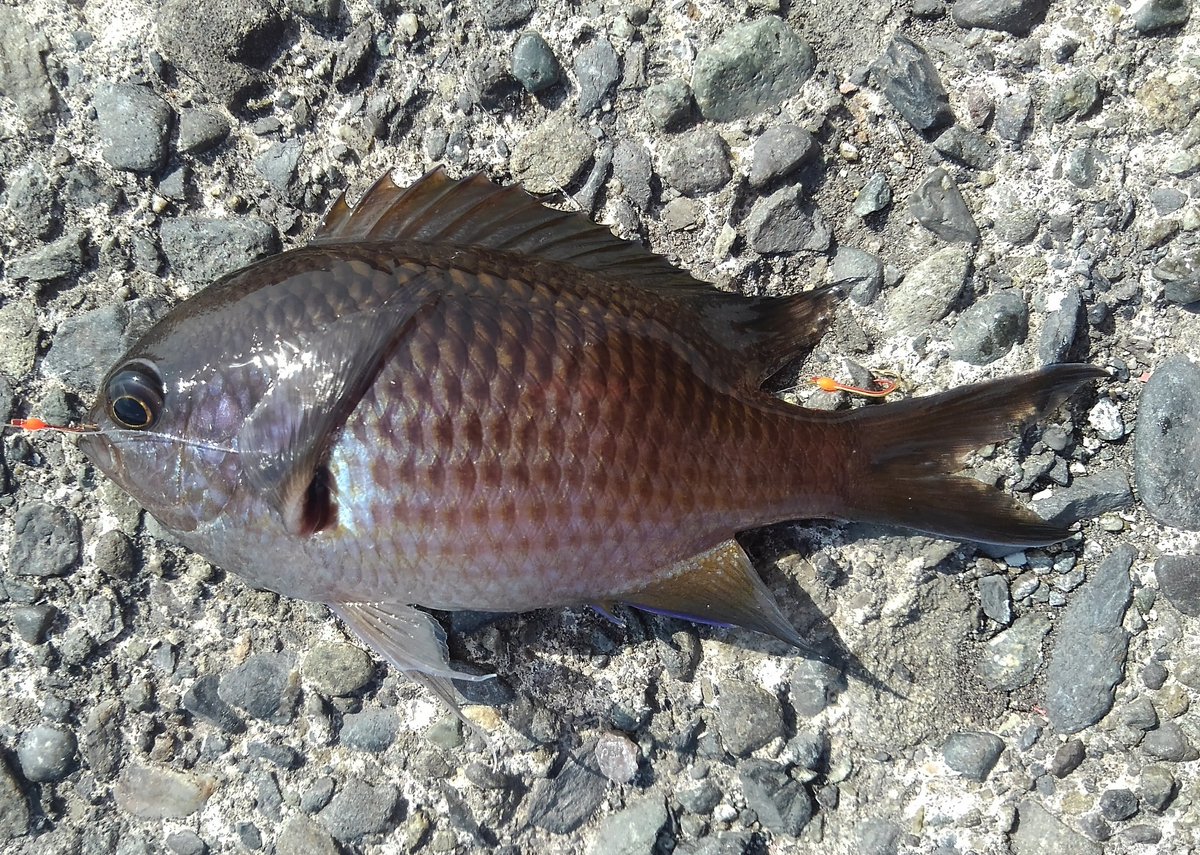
[
  {"x": 409, "y": 639},
  {"x": 720, "y": 587}
]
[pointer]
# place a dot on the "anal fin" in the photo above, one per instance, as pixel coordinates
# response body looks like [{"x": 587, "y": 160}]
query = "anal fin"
[{"x": 720, "y": 587}]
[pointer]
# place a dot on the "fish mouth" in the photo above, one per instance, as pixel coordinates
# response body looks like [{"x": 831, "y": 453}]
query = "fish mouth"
[{"x": 101, "y": 452}]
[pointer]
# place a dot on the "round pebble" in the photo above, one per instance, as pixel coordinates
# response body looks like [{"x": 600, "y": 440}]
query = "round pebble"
[{"x": 47, "y": 753}]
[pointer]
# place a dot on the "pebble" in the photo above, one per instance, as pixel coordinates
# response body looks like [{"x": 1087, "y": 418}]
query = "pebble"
[
  {"x": 988, "y": 329},
  {"x": 264, "y": 686},
  {"x": 94, "y": 338},
  {"x": 752, "y": 67},
  {"x": 1157, "y": 787},
  {"x": 1118, "y": 804},
  {"x": 701, "y": 799},
  {"x": 47, "y": 752},
  {"x": 186, "y": 842},
  {"x": 939, "y": 206},
  {"x": 353, "y": 54},
  {"x": 910, "y": 82},
  {"x": 101, "y": 739},
  {"x": 785, "y": 222},
  {"x": 337, "y": 669},
  {"x": 503, "y": 14},
  {"x": 670, "y": 104},
  {"x": 32, "y": 623},
  {"x": 748, "y": 717},
  {"x": 563, "y": 803},
  {"x": 1077, "y": 97},
  {"x": 30, "y": 199},
  {"x": 114, "y": 554},
  {"x": 633, "y": 830},
  {"x": 1154, "y": 15},
  {"x": 19, "y": 331},
  {"x": 929, "y": 291},
  {"x": 23, "y": 75},
  {"x": 47, "y": 541},
  {"x": 1180, "y": 275},
  {"x": 1169, "y": 742},
  {"x": 1105, "y": 419},
  {"x": 697, "y": 163},
  {"x": 967, "y": 147},
  {"x": 721, "y": 843},
  {"x": 279, "y": 164},
  {"x": 778, "y": 152},
  {"x": 318, "y": 794},
  {"x": 358, "y": 809},
  {"x": 203, "y": 701},
  {"x": 1013, "y": 114},
  {"x": 1178, "y": 578},
  {"x": 1166, "y": 448},
  {"x": 994, "y": 598},
  {"x": 200, "y": 129},
  {"x": 552, "y": 155},
  {"x": 631, "y": 166},
  {"x": 153, "y": 793},
  {"x": 858, "y": 271},
  {"x": 874, "y": 196},
  {"x": 783, "y": 805},
  {"x": 14, "y": 807},
  {"x": 1067, "y": 758},
  {"x": 877, "y": 836},
  {"x": 972, "y": 754},
  {"x": 597, "y": 71},
  {"x": 371, "y": 730},
  {"x": 59, "y": 259},
  {"x": 1011, "y": 16},
  {"x": 200, "y": 249},
  {"x": 134, "y": 127},
  {"x": 218, "y": 44},
  {"x": 1039, "y": 832},
  {"x": 1011, "y": 659},
  {"x": 534, "y": 64},
  {"x": 1060, "y": 325},
  {"x": 617, "y": 757},
  {"x": 1087, "y": 497},
  {"x": 301, "y": 836},
  {"x": 1088, "y": 659},
  {"x": 814, "y": 686}
]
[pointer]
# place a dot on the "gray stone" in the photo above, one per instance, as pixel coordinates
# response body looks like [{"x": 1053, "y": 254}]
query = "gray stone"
[
  {"x": 597, "y": 71},
  {"x": 1166, "y": 449},
  {"x": 502, "y": 14},
  {"x": 59, "y": 259},
  {"x": 748, "y": 717},
  {"x": 874, "y": 196},
  {"x": 301, "y": 836},
  {"x": 1060, "y": 325},
  {"x": 1077, "y": 97},
  {"x": 1012, "y": 658},
  {"x": 318, "y": 10},
  {"x": 877, "y": 836},
  {"x": 47, "y": 752},
  {"x": 1012, "y": 16},
  {"x": 994, "y": 598},
  {"x": 1067, "y": 758},
  {"x": 534, "y": 64},
  {"x": 783, "y": 804},
  {"x": 633, "y": 830},
  {"x": 631, "y": 166},
  {"x": 201, "y": 249},
  {"x": 186, "y": 842},
  {"x": 280, "y": 165},
  {"x": 372, "y": 730},
  {"x": 1154, "y": 15},
  {"x": 1180, "y": 275},
  {"x": 617, "y": 756},
  {"x": 1139, "y": 714},
  {"x": 46, "y": 541},
  {"x": 134, "y": 126},
  {"x": 114, "y": 555},
  {"x": 1157, "y": 787},
  {"x": 939, "y": 206},
  {"x": 972, "y": 754},
  {"x": 967, "y": 147},
  {"x": 1079, "y": 165},
  {"x": 669, "y": 104},
  {"x": 786, "y": 222},
  {"x": 1167, "y": 200},
  {"x": 721, "y": 843},
  {"x": 1017, "y": 225},
  {"x": 30, "y": 198},
  {"x": 1168, "y": 742},
  {"x": 200, "y": 129},
  {"x": 1086, "y": 498},
  {"x": 221, "y": 45},
  {"x": 358, "y": 809},
  {"x": 988, "y": 329},
  {"x": 1039, "y": 832},
  {"x": 552, "y": 155},
  {"x": 23, "y": 75},
  {"x": 1088, "y": 659},
  {"x": 1013, "y": 115},
  {"x": 1154, "y": 674},
  {"x": 203, "y": 701},
  {"x": 858, "y": 271},
  {"x": 752, "y": 67},
  {"x": 87, "y": 344},
  {"x": 562, "y": 803},
  {"x": 32, "y": 623},
  {"x": 929, "y": 290},
  {"x": 700, "y": 799},
  {"x": 910, "y": 82},
  {"x": 337, "y": 669},
  {"x": 103, "y": 748},
  {"x": 697, "y": 163},
  {"x": 264, "y": 686},
  {"x": 778, "y": 152},
  {"x": 1179, "y": 579},
  {"x": 353, "y": 54},
  {"x": 14, "y": 808}
]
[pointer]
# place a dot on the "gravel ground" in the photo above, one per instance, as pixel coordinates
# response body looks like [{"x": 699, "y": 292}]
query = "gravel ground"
[{"x": 1000, "y": 184}]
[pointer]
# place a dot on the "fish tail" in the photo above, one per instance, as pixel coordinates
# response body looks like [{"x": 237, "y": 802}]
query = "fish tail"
[{"x": 907, "y": 453}]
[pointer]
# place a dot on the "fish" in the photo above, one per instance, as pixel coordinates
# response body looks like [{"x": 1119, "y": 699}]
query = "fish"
[{"x": 458, "y": 397}]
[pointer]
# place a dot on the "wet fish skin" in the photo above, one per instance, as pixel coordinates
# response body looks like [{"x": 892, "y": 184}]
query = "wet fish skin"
[{"x": 457, "y": 398}]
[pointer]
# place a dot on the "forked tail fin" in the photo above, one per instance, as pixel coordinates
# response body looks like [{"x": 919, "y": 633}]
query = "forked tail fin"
[{"x": 908, "y": 452}]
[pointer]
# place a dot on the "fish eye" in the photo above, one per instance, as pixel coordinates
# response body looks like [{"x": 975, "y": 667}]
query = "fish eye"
[{"x": 135, "y": 395}]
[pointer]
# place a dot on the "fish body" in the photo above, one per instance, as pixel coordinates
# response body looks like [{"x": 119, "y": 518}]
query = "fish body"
[{"x": 456, "y": 397}]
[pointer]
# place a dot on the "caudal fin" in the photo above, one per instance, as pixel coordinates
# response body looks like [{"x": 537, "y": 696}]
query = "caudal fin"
[{"x": 909, "y": 452}]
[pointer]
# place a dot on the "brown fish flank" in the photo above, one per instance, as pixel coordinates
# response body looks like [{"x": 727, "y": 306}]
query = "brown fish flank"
[{"x": 456, "y": 397}]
